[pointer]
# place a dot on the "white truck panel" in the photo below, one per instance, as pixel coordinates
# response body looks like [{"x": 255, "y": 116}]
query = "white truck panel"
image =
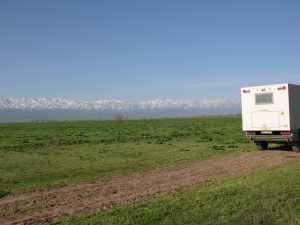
[
  {"x": 271, "y": 107},
  {"x": 265, "y": 119},
  {"x": 294, "y": 96}
]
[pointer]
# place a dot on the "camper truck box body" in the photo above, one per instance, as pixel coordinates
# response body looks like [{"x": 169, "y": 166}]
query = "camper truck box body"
[{"x": 271, "y": 113}]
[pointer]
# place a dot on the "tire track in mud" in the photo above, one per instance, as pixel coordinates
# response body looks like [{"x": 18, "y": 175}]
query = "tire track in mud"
[{"x": 51, "y": 205}]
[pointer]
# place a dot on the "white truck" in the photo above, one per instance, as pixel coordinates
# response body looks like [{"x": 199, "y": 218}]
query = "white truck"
[{"x": 271, "y": 114}]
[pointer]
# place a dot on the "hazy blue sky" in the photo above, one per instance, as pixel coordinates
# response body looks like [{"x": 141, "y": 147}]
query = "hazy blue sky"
[{"x": 146, "y": 49}]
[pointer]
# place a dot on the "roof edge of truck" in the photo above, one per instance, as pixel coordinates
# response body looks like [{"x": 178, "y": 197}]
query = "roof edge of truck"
[{"x": 261, "y": 86}]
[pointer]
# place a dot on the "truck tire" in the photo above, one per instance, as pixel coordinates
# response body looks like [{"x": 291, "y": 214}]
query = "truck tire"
[
  {"x": 296, "y": 148},
  {"x": 261, "y": 146},
  {"x": 296, "y": 144}
]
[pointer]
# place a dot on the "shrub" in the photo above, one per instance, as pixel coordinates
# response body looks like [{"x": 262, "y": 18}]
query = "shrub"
[{"x": 3, "y": 193}]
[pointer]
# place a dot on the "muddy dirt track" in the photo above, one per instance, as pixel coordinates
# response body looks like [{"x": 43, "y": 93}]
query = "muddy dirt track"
[{"x": 50, "y": 205}]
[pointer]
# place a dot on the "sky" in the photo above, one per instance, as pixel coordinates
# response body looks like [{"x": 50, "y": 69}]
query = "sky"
[{"x": 141, "y": 50}]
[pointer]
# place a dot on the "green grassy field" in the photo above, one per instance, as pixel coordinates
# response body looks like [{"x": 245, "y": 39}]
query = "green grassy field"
[
  {"x": 268, "y": 197},
  {"x": 40, "y": 155}
]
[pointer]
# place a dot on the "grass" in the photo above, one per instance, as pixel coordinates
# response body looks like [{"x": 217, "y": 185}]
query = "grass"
[
  {"x": 40, "y": 155},
  {"x": 267, "y": 197}
]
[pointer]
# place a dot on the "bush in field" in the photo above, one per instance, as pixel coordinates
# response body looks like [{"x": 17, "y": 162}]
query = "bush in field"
[
  {"x": 218, "y": 147},
  {"x": 119, "y": 117},
  {"x": 3, "y": 193},
  {"x": 205, "y": 138}
]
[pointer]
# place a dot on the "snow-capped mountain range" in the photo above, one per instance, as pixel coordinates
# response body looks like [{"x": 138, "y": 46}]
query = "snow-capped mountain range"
[{"x": 115, "y": 105}]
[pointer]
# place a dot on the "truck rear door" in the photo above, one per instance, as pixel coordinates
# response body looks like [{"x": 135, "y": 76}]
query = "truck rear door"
[{"x": 266, "y": 117}]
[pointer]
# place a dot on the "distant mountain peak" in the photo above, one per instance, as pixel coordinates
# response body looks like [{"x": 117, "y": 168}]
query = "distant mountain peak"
[{"x": 115, "y": 105}]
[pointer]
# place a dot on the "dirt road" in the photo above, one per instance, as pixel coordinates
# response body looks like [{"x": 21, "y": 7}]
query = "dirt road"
[{"x": 50, "y": 205}]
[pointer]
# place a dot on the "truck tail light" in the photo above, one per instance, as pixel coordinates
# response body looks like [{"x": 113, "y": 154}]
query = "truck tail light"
[
  {"x": 250, "y": 132},
  {"x": 285, "y": 132}
]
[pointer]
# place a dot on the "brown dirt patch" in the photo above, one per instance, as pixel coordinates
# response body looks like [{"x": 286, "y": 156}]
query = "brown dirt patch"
[{"x": 50, "y": 205}]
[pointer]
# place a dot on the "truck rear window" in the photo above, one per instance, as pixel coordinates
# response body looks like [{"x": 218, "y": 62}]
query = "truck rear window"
[{"x": 264, "y": 98}]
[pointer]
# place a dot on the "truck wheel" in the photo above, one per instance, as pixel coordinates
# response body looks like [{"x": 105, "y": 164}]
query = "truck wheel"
[
  {"x": 296, "y": 148},
  {"x": 262, "y": 146},
  {"x": 296, "y": 144}
]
